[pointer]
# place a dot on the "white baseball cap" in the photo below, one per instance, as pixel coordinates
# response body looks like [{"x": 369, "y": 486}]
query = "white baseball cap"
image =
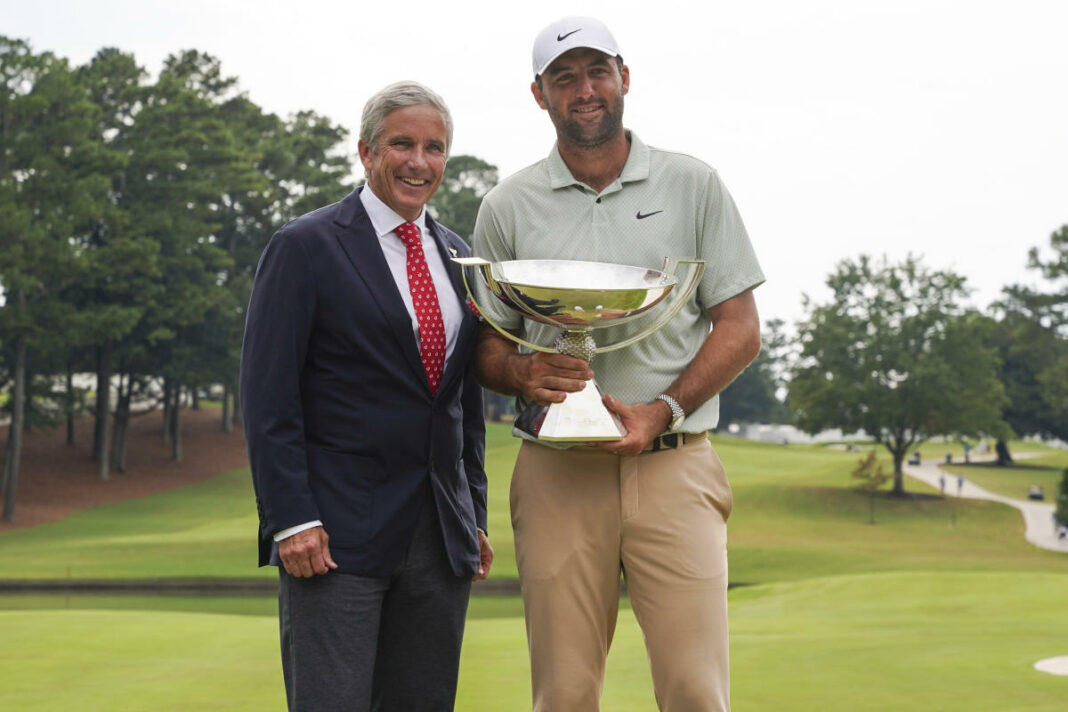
[{"x": 569, "y": 33}]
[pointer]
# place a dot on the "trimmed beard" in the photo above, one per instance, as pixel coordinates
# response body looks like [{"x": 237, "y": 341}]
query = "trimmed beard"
[{"x": 575, "y": 133}]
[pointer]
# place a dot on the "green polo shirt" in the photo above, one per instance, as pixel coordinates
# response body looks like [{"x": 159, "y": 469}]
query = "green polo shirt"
[{"x": 664, "y": 204}]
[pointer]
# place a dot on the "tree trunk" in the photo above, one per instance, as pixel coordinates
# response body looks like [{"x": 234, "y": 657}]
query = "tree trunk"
[
  {"x": 899, "y": 477},
  {"x": 103, "y": 395},
  {"x": 70, "y": 404},
  {"x": 168, "y": 412},
  {"x": 227, "y": 414},
  {"x": 14, "y": 441},
  {"x": 103, "y": 408},
  {"x": 196, "y": 398},
  {"x": 8, "y": 453},
  {"x": 237, "y": 407},
  {"x": 176, "y": 420},
  {"x": 1004, "y": 456},
  {"x": 122, "y": 427},
  {"x": 96, "y": 406}
]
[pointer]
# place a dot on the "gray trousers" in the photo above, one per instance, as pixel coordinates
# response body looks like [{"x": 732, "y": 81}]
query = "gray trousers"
[{"x": 392, "y": 644}]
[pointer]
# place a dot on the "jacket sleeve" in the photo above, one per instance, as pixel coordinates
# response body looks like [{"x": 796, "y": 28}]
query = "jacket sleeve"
[
  {"x": 475, "y": 445},
  {"x": 474, "y": 454},
  {"x": 278, "y": 325}
]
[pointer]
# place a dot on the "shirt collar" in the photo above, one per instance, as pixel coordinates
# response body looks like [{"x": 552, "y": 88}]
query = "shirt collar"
[
  {"x": 636, "y": 168},
  {"x": 383, "y": 218}
]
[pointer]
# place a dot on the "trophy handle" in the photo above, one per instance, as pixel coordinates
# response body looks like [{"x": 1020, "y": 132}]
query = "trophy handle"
[
  {"x": 484, "y": 265},
  {"x": 693, "y": 278}
]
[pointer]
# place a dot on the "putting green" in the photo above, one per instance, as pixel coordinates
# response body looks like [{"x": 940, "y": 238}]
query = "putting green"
[{"x": 875, "y": 642}]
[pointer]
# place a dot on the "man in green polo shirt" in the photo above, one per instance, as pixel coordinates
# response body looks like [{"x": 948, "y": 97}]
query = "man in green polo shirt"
[{"x": 654, "y": 504}]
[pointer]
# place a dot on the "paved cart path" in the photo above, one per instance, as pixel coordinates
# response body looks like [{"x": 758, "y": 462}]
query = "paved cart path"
[{"x": 1038, "y": 516}]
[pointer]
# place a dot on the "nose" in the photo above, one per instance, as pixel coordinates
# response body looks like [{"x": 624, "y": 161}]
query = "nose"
[
  {"x": 585, "y": 86},
  {"x": 417, "y": 157}
]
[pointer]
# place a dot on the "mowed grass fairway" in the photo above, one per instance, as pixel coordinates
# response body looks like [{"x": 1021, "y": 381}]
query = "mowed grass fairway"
[
  {"x": 939, "y": 606},
  {"x": 1046, "y": 470},
  {"x": 879, "y": 642}
]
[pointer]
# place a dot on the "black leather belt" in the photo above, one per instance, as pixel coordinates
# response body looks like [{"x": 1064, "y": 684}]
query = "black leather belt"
[{"x": 671, "y": 441}]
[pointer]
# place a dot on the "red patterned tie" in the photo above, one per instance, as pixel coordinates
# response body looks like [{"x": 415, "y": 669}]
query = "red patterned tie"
[{"x": 427, "y": 309}]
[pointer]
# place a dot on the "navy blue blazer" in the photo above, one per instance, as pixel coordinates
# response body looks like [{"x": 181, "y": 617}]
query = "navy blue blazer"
[{"x": 340, "y": 422}]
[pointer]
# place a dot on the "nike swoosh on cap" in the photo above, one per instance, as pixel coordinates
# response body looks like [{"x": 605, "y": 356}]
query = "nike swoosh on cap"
[
  {"x": 561, "y": 38},
  {"x": 642, "y": 217}
]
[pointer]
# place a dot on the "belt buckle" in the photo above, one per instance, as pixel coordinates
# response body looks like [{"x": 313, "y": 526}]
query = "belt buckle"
[{"x": 670, "y": 441}]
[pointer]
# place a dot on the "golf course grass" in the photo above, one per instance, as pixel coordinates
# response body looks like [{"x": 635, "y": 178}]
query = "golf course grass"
[
  {"x": 955, "y": 641},
  {"x": 1046, "y": 471},
  {"x": 939, "y": 605}
]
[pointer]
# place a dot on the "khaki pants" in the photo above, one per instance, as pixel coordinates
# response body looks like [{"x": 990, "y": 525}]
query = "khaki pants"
[{"x": 580, "y": 517}]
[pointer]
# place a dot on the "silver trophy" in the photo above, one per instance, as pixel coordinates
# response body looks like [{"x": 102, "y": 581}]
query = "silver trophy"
[{"x": 579, "y": 297}]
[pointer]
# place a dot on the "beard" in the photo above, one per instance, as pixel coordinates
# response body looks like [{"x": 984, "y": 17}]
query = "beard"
[{"x": 586, "y": 135}]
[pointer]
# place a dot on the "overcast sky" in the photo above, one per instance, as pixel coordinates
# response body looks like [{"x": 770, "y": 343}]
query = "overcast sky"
[{"x": 841, "y": 127}]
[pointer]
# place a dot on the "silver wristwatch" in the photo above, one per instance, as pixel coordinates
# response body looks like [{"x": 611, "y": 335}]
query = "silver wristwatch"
[{"x": 678, "y": 415}]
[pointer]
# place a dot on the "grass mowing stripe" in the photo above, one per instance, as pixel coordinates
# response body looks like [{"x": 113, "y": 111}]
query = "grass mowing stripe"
[
  {"x": 875, "y": 642},
  {"x": 795, "y": 516}
]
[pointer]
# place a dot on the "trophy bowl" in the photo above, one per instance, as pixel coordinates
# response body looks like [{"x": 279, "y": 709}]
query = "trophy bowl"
[{"x": 579, "y": 297}]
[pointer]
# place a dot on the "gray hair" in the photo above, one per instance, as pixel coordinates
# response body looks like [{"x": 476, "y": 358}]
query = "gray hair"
[{"x": 397, "y": 96}]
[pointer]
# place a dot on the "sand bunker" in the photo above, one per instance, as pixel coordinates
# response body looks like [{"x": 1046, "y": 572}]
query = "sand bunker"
[{"x": 1054, "y": 666}]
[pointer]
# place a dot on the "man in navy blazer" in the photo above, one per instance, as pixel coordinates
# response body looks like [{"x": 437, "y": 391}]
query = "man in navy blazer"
[{"x": 369, "y": 481}]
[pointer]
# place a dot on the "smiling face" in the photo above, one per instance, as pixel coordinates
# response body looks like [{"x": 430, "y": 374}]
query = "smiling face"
[
  {"x": 583, "y": 92},
  {"x": 407, "y": 164}
]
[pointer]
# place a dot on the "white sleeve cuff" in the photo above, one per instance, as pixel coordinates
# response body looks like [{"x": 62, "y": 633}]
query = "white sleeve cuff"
[{"x": 286, "y": 533}]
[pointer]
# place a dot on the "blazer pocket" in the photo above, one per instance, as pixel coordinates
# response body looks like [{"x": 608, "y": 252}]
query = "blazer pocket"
[{"x": 344, "y": 485}]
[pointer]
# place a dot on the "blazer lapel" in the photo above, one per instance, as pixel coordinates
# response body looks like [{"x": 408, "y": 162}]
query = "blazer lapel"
[
  {"x": 447, "y": 253},
  {"x": 358, "y": 239}
]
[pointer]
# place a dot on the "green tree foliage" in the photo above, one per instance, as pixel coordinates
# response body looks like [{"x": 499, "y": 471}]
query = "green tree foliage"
[
  {"x": 209, "y": 177},
  {"x": 467, "y": 179},
  {"x": 124, "y": 260},
  {"x": 894, "y": 354},
  {"x": 132, "y": 216},
  {"x": 1032, "y": 369},
  {"x": 1033, "y": 339},
  {"x": 753, "y": 397},
  {"x": 1062, "y": 500},
  {"x": 1051, "y": 305},
  {"x": 50, "y": 186},
  {"x": 299, "y": 166}
]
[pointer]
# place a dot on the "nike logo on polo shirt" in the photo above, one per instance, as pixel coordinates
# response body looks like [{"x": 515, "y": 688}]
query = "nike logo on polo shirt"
[
  {"x": 646, "y": 215},
  {"x": 561, "y": 38}
]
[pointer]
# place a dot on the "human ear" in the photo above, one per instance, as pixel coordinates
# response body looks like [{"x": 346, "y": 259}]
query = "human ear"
[{"x": 538, "y": 96}]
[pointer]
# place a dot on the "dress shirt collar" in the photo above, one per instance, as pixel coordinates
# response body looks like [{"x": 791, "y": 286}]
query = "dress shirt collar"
[{"x": 383, "y": 218}]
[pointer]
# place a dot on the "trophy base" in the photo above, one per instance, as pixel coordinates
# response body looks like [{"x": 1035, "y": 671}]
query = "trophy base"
[{"x": 582, "y": 417}]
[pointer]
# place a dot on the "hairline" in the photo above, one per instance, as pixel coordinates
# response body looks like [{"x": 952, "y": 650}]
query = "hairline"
[{"x": 398, "y": 96}]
